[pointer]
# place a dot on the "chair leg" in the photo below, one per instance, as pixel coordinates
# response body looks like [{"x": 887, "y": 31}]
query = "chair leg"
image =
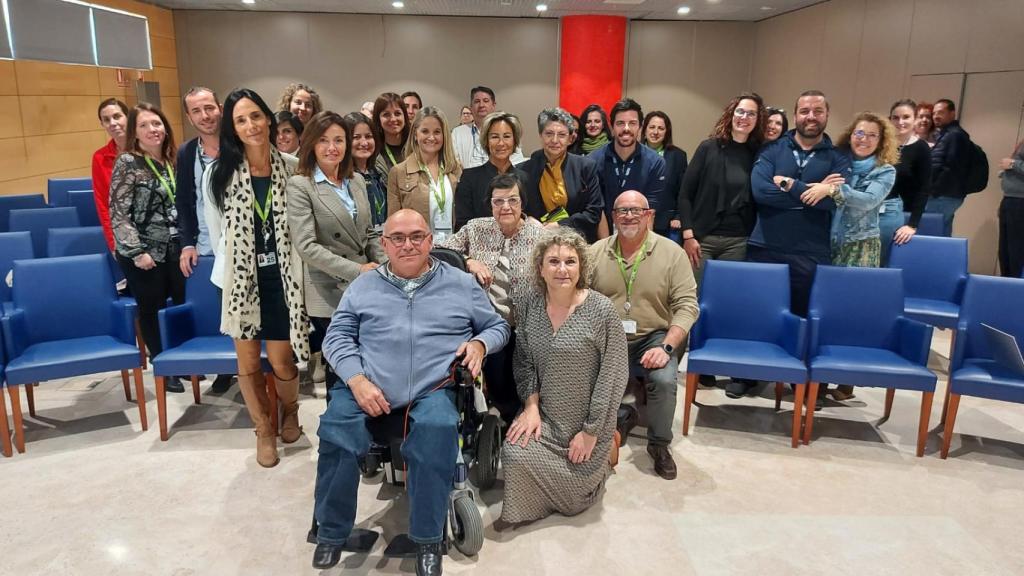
[
  {"x": 890, "y": 393},
  {"x": 30, "y": 393},
  {"x": 947, "y": 432},
  {"x": 798, "y": 409},
  {"x": 922, "y": 426},
  {"x": 778, "y": 396},
  {"x": 127, "y": 387},
  {"x": 161, "y": 405},
  {"x": 19, "y": 424},
  {"x": 812, "y": 397},
  {"x": 142, "y": 345},
  {"x": 274, "y": 408},
  {"x": 140, "y": 393},
  {"x": 5, "y": 428},
  {"x": 945, "y": 404},
  {"x": 690, "y": 395},
  {"x": 195, "y": 389}
]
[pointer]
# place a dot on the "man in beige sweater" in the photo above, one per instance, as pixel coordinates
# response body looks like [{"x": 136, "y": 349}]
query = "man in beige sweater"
[{"x": 649, "y": 279}]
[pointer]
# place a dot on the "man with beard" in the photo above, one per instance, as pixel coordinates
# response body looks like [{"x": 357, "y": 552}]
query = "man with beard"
[
  {"x": 203, "y": 111},
  {"x": 649, "y": 279},
  {"x": 625, "y": 164},
  {"x": 951, "y": 162},
  {"x": 790, "y": 230},
  {"x": 466, "y": 137}
]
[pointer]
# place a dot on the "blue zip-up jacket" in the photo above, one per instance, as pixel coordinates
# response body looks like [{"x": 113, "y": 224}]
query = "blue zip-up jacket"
[
  {"x": 405, "y": 345},
  {"x": 784, "y": 223},
  {"x": 645, "y": 175}
]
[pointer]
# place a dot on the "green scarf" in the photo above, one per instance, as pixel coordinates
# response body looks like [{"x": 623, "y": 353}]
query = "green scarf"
[{"x": 591, "y": 144}]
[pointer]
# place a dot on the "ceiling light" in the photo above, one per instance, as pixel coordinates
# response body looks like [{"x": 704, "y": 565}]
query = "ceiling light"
[
  {"x": 248, "y": 1},
  {"x": 683, "y": 10},
  {"x": 398, "y": 4},
  {"x": 542, "y": 7},
  {"x": 766, "y": 8}
]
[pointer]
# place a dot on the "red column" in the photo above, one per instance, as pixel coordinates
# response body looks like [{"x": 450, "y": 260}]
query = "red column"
[{"x": 592, "y": 61}]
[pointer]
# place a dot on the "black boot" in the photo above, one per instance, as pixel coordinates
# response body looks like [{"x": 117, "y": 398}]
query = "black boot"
[
  {"x": 428, "y": 559},
  {"x": 174, "y": 384},
  {"x": 327, "y": 555},
  {"x": 221, "y": 383}
]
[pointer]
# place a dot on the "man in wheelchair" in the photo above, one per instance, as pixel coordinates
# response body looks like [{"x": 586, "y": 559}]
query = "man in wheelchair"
[{"x": 391, "y": 342}]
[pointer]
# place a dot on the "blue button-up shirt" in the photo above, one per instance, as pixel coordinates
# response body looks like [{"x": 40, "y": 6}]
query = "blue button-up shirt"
[
  {"x": 343, "y": 192},
  {"x": 203, "y": 246}
]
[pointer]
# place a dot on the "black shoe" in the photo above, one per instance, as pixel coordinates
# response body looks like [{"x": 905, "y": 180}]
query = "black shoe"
[
  {"x": 626, "y": 420},
  {"x": 707, "y": 381},
  {"x": 174, "y": 384},
  {"x": 221, "y": 384},
  {"x": 428, "y": 559},
  {"x": 326, "y": 556},
  {"x": 737, "y": 388},
  {"x": 819, "y": 402},
  {"x": 664, "y": 465}
]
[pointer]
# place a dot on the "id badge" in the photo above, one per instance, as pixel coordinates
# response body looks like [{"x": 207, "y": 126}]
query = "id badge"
[
  {"x": 629, "y": 326},
  {"x": 266, "y": 259}
]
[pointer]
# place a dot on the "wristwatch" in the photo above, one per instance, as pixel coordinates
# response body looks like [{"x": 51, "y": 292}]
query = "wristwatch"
[
  {"x": 668, "y": 348},
  {"x": 786, "y": 183}
]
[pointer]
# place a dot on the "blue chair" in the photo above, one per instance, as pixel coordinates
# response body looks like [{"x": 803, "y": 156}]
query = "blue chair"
[
  {"x": 5, "y": 426},
  {"x": 13, "y": 246},
  {"x": 193, "y": 343},
  {"x": 76, "y": 241},
  {"x": 38, "y": 221},
  {"x": 57, "y": 189},
  {"x": 748, "y": 333},
  {"x": 17, "y": 202},
  {"x": 930, "y": 225},
  {"x": 934, "y": 275},
  {"x": 85, "y": 203},
  {"x": 972, "y": 369},
  {"x": 859, "y": 336},
  {"x": 66, "y": 320}
]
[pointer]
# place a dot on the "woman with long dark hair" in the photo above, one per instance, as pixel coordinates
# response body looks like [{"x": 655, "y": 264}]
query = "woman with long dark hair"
[
  {"x": 391, "y": 128},
  {"x": 596, "y": 132},
  {"x": 365, "y": 151},
  {"x": 657, "y": 134},
  {"x": 913, "y": 180},
  {"x": 778, "y": 124},
  {"x": 258, "y": 268}
]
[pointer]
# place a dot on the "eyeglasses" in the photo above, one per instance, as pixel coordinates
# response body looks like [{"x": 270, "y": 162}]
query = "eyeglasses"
[
  {"x": 555, "y": 135},
  {"x": 741, "y": 113},
  {"x": 862, "y": 135},
  {"x": 400, "y": 239},
  {"x": 510, "y": 202},
  {"x": 632, "y": 211}
]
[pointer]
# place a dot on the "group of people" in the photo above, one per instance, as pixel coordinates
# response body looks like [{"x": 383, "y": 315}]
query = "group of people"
[{"x": 584, "y": 261}]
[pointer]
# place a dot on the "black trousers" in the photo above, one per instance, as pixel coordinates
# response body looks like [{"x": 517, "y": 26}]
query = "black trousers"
[
  {"x": 316, "y": 342},
  {"x": 502, "y": 391},
  {"x": 151, "y": 289},
  {"x": 801, "y": 274},
  {"x": 1011, "y": 237}
]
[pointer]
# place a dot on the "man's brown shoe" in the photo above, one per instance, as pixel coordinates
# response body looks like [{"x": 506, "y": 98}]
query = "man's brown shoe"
[{"x": 664, "y": 465}]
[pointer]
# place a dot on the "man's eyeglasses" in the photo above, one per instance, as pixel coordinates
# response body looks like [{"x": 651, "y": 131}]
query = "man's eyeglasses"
[
  {"x": 510, "y": 202},
  {"x": 741, "y": 113},
  {"x": 400, "y": 239},
  {"x": 629, "y": 211}
]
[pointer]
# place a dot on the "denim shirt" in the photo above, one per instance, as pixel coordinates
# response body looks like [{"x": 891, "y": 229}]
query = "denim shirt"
[
  {"x": 203, "y": 246},
  {"x": 857, "y": 205}
]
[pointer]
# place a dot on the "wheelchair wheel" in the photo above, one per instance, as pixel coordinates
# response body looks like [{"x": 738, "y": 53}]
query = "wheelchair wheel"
[
  {"x": 468, "y": 528},
  {"x": 488, "y": 452}
]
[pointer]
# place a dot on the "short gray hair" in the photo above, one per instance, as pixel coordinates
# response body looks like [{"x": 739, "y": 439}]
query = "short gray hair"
[
  {"x": 556, "y": 114},
  {"x": 495, "y": 117},
  {"x": 561, "y": 236}
]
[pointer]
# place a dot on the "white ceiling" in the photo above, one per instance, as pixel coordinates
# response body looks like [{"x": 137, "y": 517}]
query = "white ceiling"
[{"x": 741, "y": 10}]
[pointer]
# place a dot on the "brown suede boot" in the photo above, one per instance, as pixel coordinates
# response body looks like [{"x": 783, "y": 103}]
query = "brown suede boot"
[
  {"x": 288, "y": 393},
  {"x": 254, "y": 391}
]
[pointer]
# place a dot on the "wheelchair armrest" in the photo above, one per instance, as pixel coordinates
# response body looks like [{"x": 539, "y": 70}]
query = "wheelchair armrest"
[
  {"x": 122, "y": 313},
  {"x": 698, "y": 332},
  {"x": 177, "y": 325},
  {"x": 794, "y": 335},
  {"x": 915, "y": 339},
  {"x": 16, "y": 337}
]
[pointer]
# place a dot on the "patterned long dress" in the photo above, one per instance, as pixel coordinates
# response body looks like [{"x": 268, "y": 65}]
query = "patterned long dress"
[{"x": 580, "y": 373}]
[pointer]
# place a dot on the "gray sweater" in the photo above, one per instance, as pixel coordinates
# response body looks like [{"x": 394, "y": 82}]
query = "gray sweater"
[{"x": 1013, "y": 178}]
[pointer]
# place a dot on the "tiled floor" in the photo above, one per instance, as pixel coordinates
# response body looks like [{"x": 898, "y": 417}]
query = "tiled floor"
[{"x": 94, "y": 495}]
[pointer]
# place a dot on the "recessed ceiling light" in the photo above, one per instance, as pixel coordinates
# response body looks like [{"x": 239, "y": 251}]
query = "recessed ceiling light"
[
  {"x": 398, "y": 4},
  {"x": 714, "y": 1},
  {"x": 766, "y": 8},
  {"x": 248, "y": 1},
  {"x": 683, "y": 10},
  {"x": 542, "y": 7}
]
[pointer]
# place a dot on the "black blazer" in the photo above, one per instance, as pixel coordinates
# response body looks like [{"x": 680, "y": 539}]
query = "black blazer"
[
  {"x": 675, "y": 167},
  {"x": 471, "y": 200},
  {"x": 582, "y": 188},
  {"x": 185, "y": 194}
]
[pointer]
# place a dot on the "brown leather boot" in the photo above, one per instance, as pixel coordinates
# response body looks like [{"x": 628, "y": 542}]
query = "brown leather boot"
[
  {"x": 254, "y": 391},
  {"x": 288, "y": 393}
]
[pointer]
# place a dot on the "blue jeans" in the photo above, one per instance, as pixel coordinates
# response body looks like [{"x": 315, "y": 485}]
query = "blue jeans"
[
  {"x": 888, "y": 223},
  {"x": 429, "y": 450},
  {"x": 946, "y": 206},
  {"x": 661, "y": 389}
]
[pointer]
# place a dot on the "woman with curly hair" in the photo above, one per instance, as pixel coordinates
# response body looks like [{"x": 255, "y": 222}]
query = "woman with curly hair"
[{"x": 300, "y": 100}]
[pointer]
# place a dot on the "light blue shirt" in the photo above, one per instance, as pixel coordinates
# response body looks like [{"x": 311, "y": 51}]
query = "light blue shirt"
[
  {"x": 343, "y": 192},
  {"x": 203, "y": 246}
]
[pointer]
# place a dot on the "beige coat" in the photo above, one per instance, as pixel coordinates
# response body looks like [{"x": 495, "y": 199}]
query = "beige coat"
[
  {"x": 331, "y": 244},
  {"x": 409, "y": 187}
]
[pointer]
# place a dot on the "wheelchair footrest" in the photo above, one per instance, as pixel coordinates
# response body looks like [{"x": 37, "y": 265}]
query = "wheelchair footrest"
[{"x": 401, "y": 546}]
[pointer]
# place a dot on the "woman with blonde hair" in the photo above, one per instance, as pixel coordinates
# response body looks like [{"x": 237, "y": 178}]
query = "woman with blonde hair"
[
  {"x": 300, "y": 100},
  {"x": 426, "y": 180}
]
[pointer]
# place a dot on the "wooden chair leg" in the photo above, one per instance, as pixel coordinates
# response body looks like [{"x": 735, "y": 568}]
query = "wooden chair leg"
[
  {"x": 890, "y": 393},
  {"x": 30, "y": 393},
  {"x": 272, "y": 396},
  {"x": 127, "y": 387},
  {"x": 798, "y": 409},
  {"x": 945, "y": 404},
  {"x": 691, "y": 394},
  {"x": 195, "y": 389},
  {"x": 140, "y": 396},
  {"x": 778, "y": 396},
  {"x": 5, "y": 427},
  {"x": 161, "y": 405},
  {"x": 812, "y": 397},
  {"x": 947, "y": 432},
  {"x": 142, "y": 345},
  {"x": 922, "y": 426},
  {"x": 19, "y": 424}
]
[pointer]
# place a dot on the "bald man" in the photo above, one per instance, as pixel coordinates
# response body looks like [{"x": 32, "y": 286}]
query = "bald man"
[
  {"x": 649, "y": 279},
  {"x": 391, "y": 342}
]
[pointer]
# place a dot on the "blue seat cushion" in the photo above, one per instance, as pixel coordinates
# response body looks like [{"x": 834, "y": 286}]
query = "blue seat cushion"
[
  {"x": 200, "y": 355},
  {"x": 987, "y": 379},
  {"x": 73, "y": 357},
  {"x": 746, "y": 359},
  {"x": 934, "y": 312},
  {"x": 859, "y": 366}
]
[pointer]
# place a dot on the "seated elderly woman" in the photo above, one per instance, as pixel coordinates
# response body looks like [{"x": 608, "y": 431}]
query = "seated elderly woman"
[
  {"x": 562, "y": 189},
  {"x": 571, "y": 365},
  {"x": 498, "y": 249}
]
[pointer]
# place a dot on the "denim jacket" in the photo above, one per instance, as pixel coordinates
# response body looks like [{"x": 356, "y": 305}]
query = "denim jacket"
[{"x": 858, "y": 203}]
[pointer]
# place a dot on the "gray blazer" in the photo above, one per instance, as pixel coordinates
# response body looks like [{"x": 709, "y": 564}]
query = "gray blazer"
[{"x": 331, "y": 244}]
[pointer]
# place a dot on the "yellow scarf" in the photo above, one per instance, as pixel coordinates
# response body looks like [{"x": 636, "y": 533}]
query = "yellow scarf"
[{"x": 552, "y": 186}]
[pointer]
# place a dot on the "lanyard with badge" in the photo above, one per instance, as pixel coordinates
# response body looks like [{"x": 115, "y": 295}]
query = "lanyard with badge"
[
  {"x": 268, "y": 258},
  {"x": 387, "y": 149},
  {"x": 801, "y": 164},
  {"x": 437, "y": 188},
  {"x": 629, "y": 326},
  {"x": 170, "y": 188},
  {"x": 626, "y": 168}
]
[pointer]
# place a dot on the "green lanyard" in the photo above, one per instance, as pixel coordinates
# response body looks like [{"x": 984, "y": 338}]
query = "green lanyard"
[
  {"x": 378, "y": 209},
  {"x": 442, "y": 198},
  {"x": 171, "y": 188},
  {"x": 263, "y": 211},
  {"x": 387, "y": 149},
  {"x": 628, "y": 279}
]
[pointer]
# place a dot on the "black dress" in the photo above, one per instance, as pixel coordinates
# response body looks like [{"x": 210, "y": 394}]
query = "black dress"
[{"x": 273, "y": 307}]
